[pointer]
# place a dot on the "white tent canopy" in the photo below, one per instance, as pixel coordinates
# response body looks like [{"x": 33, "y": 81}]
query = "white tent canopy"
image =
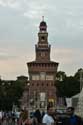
[{"x": 79, "y": 109}]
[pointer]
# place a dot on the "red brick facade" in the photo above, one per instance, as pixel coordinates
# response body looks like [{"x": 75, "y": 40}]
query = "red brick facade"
[{"x": 42, "y": 72}]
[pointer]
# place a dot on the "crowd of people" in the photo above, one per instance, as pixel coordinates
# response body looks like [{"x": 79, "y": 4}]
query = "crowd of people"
[
  {"x": 54, "y": 118},
  {"x": 51, "y": 117},
  {"x": 8, "y": 117}
]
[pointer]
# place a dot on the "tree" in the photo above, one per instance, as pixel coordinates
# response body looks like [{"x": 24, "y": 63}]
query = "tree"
[
  {"x": 77, "y": 74},
  {"x": 60, "y": 75},
  {"x": 10, "y": 94},
  {"x": 68, "y": 87}
]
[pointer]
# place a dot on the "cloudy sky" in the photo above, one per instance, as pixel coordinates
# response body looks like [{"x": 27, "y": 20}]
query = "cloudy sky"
[{"x": 19, "y": 22}]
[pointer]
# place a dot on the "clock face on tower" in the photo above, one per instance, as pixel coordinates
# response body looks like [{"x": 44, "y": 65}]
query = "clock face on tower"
[{"x": 42, "y": 54}]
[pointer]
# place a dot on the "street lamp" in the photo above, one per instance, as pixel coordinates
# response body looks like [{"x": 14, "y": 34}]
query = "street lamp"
[{"x": 28, "y": 97}]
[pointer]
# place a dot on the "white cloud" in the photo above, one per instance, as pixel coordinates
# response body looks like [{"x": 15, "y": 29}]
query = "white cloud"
[
  {"x": 2, "y": 3},
  {"x": 6, "y": 55},
  {"x": 31, "y": 9},
  {"x": 64, "y": 19},
  {"x": 11, "y": 67},
  {"x": 33, "y": 14},
  {"x": 34, "y": 10},
  {"x": 67, "y": 55},
  {"x": 9, "y": 3},
  {"x": 70, "y": 59}
]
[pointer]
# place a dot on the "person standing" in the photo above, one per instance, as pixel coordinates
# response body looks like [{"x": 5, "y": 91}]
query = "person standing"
[
  {"x": 72, "y": 119},
  {"x": 58, "y": 119},
  {"x": 37, "y": 118},
  {"x": 47, "y": 118}
]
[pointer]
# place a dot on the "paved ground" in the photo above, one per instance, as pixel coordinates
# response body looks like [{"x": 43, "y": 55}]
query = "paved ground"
[{"x": 5, "y": 122}]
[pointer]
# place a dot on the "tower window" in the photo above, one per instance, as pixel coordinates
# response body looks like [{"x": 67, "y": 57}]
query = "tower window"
[
  {"x": 43, "y": 38},
  {"x": 47, "y": 84},
  {"x": 37, "y": 84},
  {"x": 32, "y": 84},
  {"x": 42, "y": 84},
  {"x": 42, "y": 75}
]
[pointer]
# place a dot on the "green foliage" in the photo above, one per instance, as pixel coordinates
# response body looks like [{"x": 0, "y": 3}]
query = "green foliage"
[
  {"x": 10, "y": 94},
  {"x": 60, "y": 75},
  {"x": 77, "y": 74},
  {"x": 69, "y": 86}
]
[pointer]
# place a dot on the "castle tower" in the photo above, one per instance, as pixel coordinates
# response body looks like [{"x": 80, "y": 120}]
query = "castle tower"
[{"x": 42, "y": 72}]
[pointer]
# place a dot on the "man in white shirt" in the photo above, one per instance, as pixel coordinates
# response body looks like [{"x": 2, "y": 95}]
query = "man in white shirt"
[{"x": 47, "y": 118}]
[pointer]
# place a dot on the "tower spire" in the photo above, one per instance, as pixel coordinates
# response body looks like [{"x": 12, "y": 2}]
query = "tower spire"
[
  {"x": 43, "y": 25},
  {"x": 42, "y": 18}
]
